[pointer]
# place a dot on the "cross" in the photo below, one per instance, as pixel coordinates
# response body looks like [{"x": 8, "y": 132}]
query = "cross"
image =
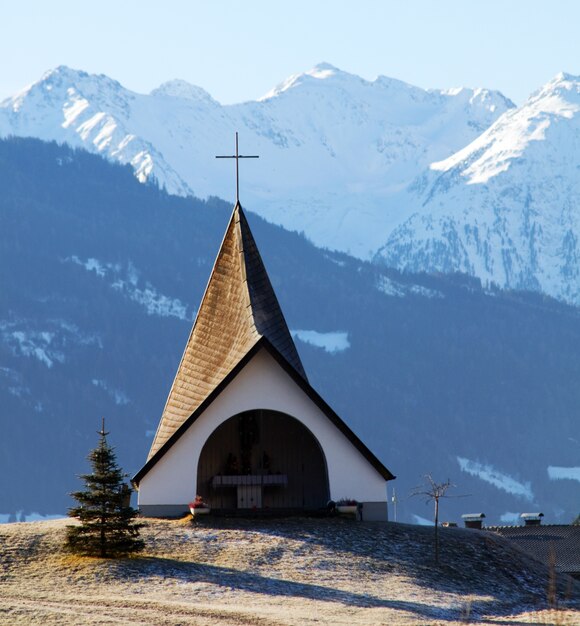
[
  {"x": 237, "y": 157},
  {"x": 102, "y": 431}
]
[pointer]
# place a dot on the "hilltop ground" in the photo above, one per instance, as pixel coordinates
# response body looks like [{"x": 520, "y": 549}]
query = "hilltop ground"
[{"x": 266, "y": 572}]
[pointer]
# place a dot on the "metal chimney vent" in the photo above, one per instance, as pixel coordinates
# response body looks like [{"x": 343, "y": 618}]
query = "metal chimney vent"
[
  {"x": 532, "y": 519},
  {"x": 473, "y": 520}
]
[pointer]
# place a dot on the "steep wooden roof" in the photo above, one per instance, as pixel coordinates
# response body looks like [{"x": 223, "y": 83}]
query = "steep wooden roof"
[{"x": 239, "y": 307}]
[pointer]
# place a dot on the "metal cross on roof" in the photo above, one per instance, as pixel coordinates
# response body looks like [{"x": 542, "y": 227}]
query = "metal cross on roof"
[{"x": 237, "y": 157}]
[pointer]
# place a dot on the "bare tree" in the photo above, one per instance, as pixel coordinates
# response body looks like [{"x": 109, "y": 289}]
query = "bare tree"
[{"x": 433, "y": 492}]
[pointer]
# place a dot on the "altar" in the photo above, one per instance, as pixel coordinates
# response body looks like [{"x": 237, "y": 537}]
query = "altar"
[{"x": 250, "y": 487}]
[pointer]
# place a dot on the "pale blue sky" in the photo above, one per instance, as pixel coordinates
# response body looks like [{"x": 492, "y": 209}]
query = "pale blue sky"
[{"x": 239, "y": 50}]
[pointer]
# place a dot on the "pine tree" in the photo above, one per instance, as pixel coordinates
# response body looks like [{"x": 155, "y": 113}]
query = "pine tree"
[{"x": 108, "y": 527}]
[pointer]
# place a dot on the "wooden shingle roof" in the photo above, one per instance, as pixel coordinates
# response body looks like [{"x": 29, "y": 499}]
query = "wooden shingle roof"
[{"x": 238, "y": 309}]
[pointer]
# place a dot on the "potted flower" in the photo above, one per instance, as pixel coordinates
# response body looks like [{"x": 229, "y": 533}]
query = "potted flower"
[
  {"x": 347, "y": 505},
  {"x": 199, "y": 507}
]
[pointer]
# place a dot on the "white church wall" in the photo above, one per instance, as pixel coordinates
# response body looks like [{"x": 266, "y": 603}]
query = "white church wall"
[{"x": 262, "y": 384}]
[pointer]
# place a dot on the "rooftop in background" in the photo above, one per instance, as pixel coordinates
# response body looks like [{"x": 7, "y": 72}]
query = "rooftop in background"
[{"x": 556, "y": 544}]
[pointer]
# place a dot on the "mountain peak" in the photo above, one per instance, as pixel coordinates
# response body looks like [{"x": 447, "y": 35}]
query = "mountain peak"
[
  {"x": 56, "y": 77},
  {"x": 565, "y": 77},
  {"x": 178, "y": 88},
  {"x": 386, "y": 81},
  {"x": 63, "y": 74},
  {"x": 564, "y": 86},
  {"x": 55, "y": 82},
  {"x": 561, "y": 82},
  {"x": 321, "y": 71},
  {"x": 63, "y": 70}
]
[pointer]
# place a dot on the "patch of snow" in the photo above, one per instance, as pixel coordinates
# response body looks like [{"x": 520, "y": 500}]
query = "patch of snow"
[
  {"x": 20, "y": 516},
  {"x": 119, "y": 397},
  {"x": 127, "y": 282},
  {"x": 46, "y": 345},
  {"x": 331, "y": 342},
  {"x": 393, "y": 288},
  {"x": 16, "y": 386},
  {"x": 33, "y": 344},
  {"x": 419, "y": 290},
  {"x": 78, "y": 337},
  {"x": 338, "y": 262},
  {"x": 39, "y": 517},
  {"x": 155, "y": 303},
  {"x": 422, "y": 521},
  {"x": 132, "y": 274},
  {"x": 390, "y": 287},
  {"x": 19, "y": 392},
  {"x": 489, "y": 474},
  {"x": 14, "y": 378},
  {"x": 91, "y": 265},
  {"x": 564, "y": 473}
]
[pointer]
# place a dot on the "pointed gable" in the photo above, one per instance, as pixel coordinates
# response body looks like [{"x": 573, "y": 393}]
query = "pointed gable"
[
  {"x": 267, "y": 314},
  {"x": 239, "y": 307}
]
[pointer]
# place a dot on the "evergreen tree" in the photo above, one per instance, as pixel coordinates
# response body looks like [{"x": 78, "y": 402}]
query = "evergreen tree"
[{"x": 108, "y": 527}]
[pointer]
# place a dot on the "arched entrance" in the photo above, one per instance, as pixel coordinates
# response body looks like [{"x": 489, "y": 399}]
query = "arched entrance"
[{"x": 262, "y": 460}]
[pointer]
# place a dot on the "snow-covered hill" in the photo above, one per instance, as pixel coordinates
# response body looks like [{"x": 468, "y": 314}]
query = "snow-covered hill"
[
  {"x": 507, "y": 207},
  {"x": 336, "y": 151}
]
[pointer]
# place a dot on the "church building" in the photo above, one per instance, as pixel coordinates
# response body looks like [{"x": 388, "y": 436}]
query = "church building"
[{"x": 242, "y": 426}]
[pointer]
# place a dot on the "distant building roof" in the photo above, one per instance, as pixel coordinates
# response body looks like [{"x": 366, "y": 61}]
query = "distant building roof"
[{"x": 559, "y": 545}]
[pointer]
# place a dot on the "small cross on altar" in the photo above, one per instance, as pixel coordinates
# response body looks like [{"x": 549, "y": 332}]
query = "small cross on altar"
[{"x": 237, "y": 157}]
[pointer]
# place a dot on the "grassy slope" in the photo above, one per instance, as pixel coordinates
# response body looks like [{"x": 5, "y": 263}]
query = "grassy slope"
[{"x": 297, "y": 571}]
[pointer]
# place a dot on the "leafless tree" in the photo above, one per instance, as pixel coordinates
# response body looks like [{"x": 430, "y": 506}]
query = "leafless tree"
[{"x": 433, "y": 492}]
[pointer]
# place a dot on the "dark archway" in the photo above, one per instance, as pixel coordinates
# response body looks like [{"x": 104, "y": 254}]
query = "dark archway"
[{"x": 262, "y": 460}]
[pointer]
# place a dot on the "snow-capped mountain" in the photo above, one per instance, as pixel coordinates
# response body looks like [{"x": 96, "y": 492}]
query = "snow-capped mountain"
[
  {"x": 506, "y": 208},
  {"x": 438, "y": 180},
  {"x": 336, "y": 151}
]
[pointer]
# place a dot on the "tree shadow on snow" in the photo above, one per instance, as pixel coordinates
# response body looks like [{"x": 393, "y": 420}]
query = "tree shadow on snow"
[
  {"x": 236, "y": 580},
  {"x": 471, "y": 562}
]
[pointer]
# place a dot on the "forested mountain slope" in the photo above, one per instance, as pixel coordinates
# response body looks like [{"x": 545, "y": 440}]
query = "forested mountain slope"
[{"x": 100, "y": 277}]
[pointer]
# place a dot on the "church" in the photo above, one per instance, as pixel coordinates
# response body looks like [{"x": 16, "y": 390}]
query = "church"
[{"x": 242, "y": 426}]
